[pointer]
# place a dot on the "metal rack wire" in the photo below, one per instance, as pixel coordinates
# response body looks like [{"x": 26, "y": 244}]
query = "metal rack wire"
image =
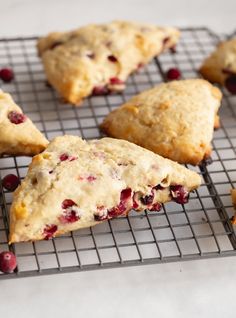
[{"x": 200, "y": 229}]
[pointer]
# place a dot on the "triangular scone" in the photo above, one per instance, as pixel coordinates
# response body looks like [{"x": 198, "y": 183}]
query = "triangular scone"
[
  {"x": 18, "y": 135},
  {"x": 175, "y": 120},
  {"x": 221, "y": 64},
  {"x": 75, "y": 184},
  {"x": 98, "y": 58}
]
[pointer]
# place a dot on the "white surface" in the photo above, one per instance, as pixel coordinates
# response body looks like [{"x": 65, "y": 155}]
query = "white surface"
[{"x": 202, "y": 288}]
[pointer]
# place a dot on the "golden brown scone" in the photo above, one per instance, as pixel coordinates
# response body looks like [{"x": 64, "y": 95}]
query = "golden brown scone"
[
  {"x": 220, "y": 66},
  {"x": 18, "y": 135},
  {"x": 98, "y": 58},
  {"x": 75, "y": 184},
  {"x": 174, "y": 119}
]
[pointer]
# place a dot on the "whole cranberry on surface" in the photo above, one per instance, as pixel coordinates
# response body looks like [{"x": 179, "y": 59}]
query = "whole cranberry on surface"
[
  {"x": 173, "y": 74},
  {"x": 7, "y": 262},
  {"x": 6, "y": 74},
  {"x": 16, "y": 117},
  {"x": 10, "y": 182},
  {"x": 179, "y": 194}
]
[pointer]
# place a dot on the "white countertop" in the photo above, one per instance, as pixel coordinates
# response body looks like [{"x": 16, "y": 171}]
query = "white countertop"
[{"x": 203, "y": 288}]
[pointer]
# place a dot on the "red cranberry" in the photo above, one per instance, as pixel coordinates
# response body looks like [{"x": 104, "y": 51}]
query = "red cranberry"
[
  {"x": 7, "y": 262},
  {"x": 16, "y": 118},
  {"x": 135, "y": 203},
  {"x": 100, "y": 90},
  {"x": 55, "y": 44},
  {"x": 67, "y": 203},
  {"x": 147, "y": 199},
  {"x": 116, "y": 81},
  {"x": 122, "y": 206},
  {"x": 155, "y": 207},
  {"x": 70, "y": 215},
  {"x": 112, "y": 58},
  {"x": 91, "y": 178},
  {"x": 179, "y": 194},
  {"x": 65, "y": 157},
  {"x": 49, "y": 231},
  {"x": 6, "y": 74},
  {"x": 230, "y": 84},
  {"x": 173, "y": 74},
  {"x": 10, "y": 182}
]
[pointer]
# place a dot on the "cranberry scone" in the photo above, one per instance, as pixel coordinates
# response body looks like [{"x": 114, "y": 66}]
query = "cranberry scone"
[
  {"x": 98, "y": 58},
  {"x": 75, "y": 184},
  {"x": 18, "y": 135},
  {"x": 220, "y": 66},
  {"x": 175, "y": 120}
]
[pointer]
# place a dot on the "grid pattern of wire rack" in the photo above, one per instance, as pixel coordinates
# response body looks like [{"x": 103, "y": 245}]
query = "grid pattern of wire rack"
[{"x": 200, "y": 229}]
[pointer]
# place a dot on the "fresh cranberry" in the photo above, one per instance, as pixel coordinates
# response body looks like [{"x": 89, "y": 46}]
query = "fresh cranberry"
[
  {"x": 125, "y": 194},
  {"x": 155, "y": 207},
  {"x": 10, "y": 182},
  {"x": 6, "y": 74},
  {"x": 179, "y": 194},
  {"x": 147, "y": 199},
  {"x": 173, "y": 74},
  {"x": 230, "y": 84},
  {"x": 70, "y": 215},
  {"x": 49, "y": 231},
  {"x": 16, "y": 118},
  {"x": 100, "y": 90},
  {"x": 112, "y": 58},
  {"x": 7, "y": 262},
  {"x": 55, "y": 44}
]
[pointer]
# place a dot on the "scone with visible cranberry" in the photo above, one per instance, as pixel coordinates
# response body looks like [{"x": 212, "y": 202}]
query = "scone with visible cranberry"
[
  {"x": 75, "y": 184},
  {"x": 220, "y": 66},
  {"x": 98, "y": 58},
  {"x": 18, "y": 135},
  {"x": 174, "y": 119}
]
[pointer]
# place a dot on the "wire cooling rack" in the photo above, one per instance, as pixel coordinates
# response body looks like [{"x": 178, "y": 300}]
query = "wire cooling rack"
[{"x": 200, "y": 229}]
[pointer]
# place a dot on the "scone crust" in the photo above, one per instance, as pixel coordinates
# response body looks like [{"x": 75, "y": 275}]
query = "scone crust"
[
  {"x": 75, "y": 62},
  {"x": 93, "y": 176},
  {"x": 21, "y": 139},
  {"x": 220, "y": 63},
  {"x": 174, "y": 119}
]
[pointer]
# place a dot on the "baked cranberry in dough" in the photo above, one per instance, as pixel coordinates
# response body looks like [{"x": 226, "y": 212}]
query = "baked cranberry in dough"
[
  {"x": 106, "y": 179},
  {"x": 98, "y": 58}
]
